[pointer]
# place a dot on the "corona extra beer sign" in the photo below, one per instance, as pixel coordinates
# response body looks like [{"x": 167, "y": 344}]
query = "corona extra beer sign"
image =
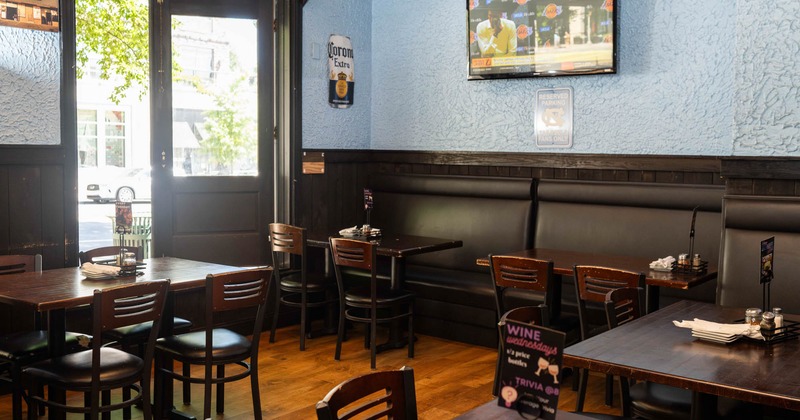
[{"x": 341, "y": 83}]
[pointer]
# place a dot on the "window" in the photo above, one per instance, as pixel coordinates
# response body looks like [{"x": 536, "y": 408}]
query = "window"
[
  {"x": 102, "y": 142},
  {"x": 215, "y": 96}
]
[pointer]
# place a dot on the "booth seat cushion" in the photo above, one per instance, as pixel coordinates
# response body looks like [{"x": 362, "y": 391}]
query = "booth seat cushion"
[
  {"x": 748, "y": 221},
  {"x": 463, "y": 287}
]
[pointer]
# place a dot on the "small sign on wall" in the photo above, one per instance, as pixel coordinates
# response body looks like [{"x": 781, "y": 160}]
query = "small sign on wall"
[
  {"x": 341, "y": 84},
  {"x": 553, "y": 117}
]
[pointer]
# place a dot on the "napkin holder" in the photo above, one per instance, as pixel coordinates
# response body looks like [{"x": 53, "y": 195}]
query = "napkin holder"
[{"x": 789, "y": 331}]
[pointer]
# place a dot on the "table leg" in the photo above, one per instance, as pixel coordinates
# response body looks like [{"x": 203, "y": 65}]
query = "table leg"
[
  {"x": 56, "y": 333},
  {"x": 396, "y": 339},
  {"x": 704, "y": 406},
  {"x": 652, "y": 293}
]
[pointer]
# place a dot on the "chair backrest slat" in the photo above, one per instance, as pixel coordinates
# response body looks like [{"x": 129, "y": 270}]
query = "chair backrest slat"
[
  {"x": 241, "y": 289},
  {"x": 524, "y": 273},
  {"x": 593, "y": 283},
  {"x": 387, "y": 394},
  {"x": 624, "y": 305},
  {"x": 130, "y": 304},
  {"x": 18, "y": 263},
  {"x": 287, "y": 238},
  {"x": 352, "y": 253}
]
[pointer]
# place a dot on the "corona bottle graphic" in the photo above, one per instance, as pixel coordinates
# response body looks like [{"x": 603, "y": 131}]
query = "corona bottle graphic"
[{"x": 341, "y": 83}]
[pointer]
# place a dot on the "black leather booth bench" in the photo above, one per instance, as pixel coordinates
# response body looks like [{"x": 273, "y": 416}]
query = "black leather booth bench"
[
  {"x": 495, "y": 215},
  {"x": 649, "y": 220},
  {"x": 748, "y": 220}
]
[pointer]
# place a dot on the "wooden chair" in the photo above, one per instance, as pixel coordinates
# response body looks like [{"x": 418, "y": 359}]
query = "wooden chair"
[
  {"x": 218, "y": 347},
  {"x": 296, "y": 287},
  {"x": 107, "y": 251},
  {"x": 372, "y": 305},
  {"x": 592, "y": 283},
  {"x": 645, "y": 400},
  {"x": 23, "y": 348},
  {"x": 388, "y": 394},
  {"x": 132, "y": 338},
  {"x": 102, "y": 369},
  {"x": 528, "y": 277}
]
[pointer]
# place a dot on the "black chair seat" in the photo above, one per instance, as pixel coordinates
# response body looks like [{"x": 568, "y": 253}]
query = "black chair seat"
[
  {"x": 227, "y": 345},
  {"x": 22, "y": 346},
  {"x": 132, "y": 331},
  {"x": 292, "y": 282},
  {"x": 117, "y": 367},
  {"x": 385, "y": 297},
  {"x": 656, "y": 401}
]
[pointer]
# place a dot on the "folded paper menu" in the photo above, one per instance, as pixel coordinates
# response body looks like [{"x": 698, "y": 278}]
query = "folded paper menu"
[
  {"x": 723, "y": 333},
  {"x": 91, "y": 268}
]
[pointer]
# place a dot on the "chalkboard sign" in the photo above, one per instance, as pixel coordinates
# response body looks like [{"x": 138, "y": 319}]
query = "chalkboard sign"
[{"x": 530, "y": 364}]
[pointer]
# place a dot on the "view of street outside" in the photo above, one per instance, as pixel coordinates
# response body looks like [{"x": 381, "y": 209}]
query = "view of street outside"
[
  {"x": 214, "y": 108},
  {"x": 95, "y": 228}
]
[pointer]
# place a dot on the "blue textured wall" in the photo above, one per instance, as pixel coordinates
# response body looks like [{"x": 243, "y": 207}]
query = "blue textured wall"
[
  {"x": 767, "y": 115},
  {"x": 325, "y": 127},
  {"x": 695, "y": 78},
  {"x": 30, "y": 71}
]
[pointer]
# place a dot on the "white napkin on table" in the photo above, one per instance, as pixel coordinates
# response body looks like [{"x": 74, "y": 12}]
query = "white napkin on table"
[
  {"x": 730, "y": 330},
  {"x": 663, "y": 263},
  {"x": 93, "y": 268}
]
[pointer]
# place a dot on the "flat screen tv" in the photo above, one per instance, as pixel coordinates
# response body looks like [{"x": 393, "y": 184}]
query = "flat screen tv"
[{"x": 529, "y": 38}]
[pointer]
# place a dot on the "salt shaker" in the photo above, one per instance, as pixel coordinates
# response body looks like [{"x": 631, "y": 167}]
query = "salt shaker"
[
  {"x": 767, "y": 325},
  {"x": 778, "y": 317}
]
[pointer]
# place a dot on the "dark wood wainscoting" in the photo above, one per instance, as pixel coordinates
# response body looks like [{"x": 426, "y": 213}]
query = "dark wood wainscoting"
[{"x": 334, "y": 199}]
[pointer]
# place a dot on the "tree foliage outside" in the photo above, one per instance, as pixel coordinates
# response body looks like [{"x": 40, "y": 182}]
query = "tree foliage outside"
[
  {"x": 231, "y": 125},
  {"x": 115, "y": 33}
]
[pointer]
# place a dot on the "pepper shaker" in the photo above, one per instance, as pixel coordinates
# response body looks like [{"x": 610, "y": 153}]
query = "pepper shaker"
[{"x": 767, "y": 325}]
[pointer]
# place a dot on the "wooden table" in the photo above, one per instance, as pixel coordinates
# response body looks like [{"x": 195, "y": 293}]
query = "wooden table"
[
  {"x": 396, "y": 246},
  {"x": 652, "y": 349},
  {"x": 491, "y": 411},
  {"x": 564, "y": 261},
  {"x": 55, "y": 291}
]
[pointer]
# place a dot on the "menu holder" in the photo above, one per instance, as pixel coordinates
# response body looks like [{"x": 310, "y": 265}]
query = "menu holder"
[{"x": 530, "y": 369}]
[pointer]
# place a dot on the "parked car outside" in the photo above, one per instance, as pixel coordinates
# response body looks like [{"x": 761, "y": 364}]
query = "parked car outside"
[{"x": 117, "y": 184}]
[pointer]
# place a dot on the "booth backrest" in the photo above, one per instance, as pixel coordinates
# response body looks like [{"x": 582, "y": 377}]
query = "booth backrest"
[
  {"x": 489, "y": 215},
  {"x": 650, "y": 220},
  {"x": 747, "y": 222}
]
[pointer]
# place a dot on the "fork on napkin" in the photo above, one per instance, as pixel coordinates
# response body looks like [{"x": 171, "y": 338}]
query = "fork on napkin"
[
  {"x": 716, "y": 328},
  {"x": 93, "y": 268}
]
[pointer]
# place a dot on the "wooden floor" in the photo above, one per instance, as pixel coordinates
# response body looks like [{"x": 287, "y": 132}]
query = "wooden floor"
[{"x": 450, "y": 378}]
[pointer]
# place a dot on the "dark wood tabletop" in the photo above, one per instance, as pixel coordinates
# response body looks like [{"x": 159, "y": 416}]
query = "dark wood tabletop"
[
  {"x": 394, "y": 245},
  {"x": 651, "y": 348},
  {"x": 565, "y": 260},
  {"x": 491, "y": 411},
  {"x": 65, "y": 288}
]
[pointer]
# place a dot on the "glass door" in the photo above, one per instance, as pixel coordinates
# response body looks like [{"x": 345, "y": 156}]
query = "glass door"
[{"x": 212, "y": 110}]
